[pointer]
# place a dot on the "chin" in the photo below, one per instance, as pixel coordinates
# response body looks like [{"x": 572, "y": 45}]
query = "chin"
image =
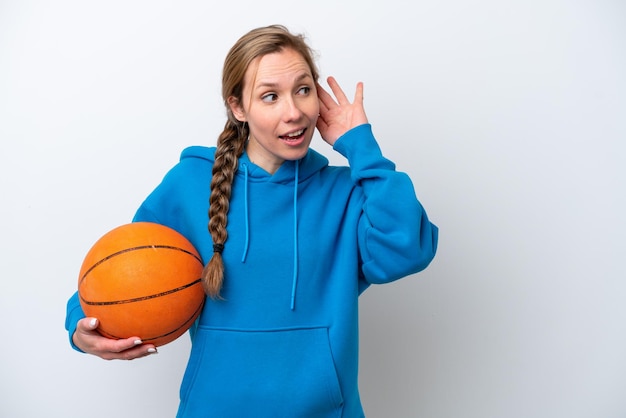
[{"x": 297, "y": 155}]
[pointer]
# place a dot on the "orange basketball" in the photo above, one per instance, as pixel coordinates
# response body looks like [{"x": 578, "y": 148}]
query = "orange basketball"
[{"x": 142, "y": 280}]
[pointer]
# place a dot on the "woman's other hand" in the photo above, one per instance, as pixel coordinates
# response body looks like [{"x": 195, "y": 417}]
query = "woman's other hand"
[
  {"x": 91, "y": 341},
  {"x": 339, "y": 116}
]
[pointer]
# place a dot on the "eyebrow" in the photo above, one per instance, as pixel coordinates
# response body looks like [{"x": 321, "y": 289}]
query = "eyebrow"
[{"x": 269, "y": 84}]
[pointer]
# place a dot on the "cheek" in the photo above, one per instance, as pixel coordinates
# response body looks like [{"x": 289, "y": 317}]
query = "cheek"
[
  {"x": 313, "y": 109},
  {"x": 262, "y": 121}
]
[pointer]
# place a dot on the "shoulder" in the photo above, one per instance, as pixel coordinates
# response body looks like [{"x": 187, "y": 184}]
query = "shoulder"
[
  {"x": 196, "y": 160},
  {"x": 197, "y": 151},
  {"x": 190, "y": 176},
  {"x": 195, "y": 164}
]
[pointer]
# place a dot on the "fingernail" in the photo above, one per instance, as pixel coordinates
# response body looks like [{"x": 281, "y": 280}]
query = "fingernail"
[
  {"x": 152, "y": 350},
  {"x": 93, "y": 322},
  {"x": 138, "y": 342}
]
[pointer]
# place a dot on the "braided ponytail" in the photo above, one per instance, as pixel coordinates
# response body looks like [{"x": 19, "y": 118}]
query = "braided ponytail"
[{"x": 230, "y": 146}]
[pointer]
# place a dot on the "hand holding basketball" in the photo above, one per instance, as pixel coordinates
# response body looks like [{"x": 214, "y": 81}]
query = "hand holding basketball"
[{"x": 90, "y": 341}]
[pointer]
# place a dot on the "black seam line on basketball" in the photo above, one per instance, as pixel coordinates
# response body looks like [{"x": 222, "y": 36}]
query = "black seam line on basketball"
[
  {"x": 141, "y": 247},
  {"x": 147, "y": 340},
  {"x": 142, "y": 298}
]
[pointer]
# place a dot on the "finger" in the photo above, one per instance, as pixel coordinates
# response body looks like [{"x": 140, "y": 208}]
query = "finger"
[
  {"x": 325, "y": 99},
  {"x": 323, "y": 107},
  {"x": 87, "y": 324},
  {"x": 125, "y": 349},
  {"x": 321, "y": 126},
  {"x": 119, "y": 346},
  {"x": 131, "y": 354},
  {"x": 358, "y": 94},
  {"x": 337, "y": 91},
  {"x": 138, "y": 350}
]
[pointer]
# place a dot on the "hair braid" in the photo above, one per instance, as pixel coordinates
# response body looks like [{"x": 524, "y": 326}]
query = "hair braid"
[{"x": 230, "y": 146}]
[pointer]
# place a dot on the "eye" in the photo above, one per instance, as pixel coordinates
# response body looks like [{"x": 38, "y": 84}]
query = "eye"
[
  {"x": 304, "y": 90},
  {"x": 268, "y": 98}
]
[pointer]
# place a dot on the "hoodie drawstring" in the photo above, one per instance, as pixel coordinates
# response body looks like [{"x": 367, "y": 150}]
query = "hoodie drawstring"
[
  {"x": 246, "y": 214},
  {"x": 295, "y": 228},
  {"x": 295, "y": 237}
]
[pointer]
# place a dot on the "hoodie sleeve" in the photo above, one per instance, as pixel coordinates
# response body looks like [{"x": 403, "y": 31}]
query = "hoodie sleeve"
[
  {"x": 394, "y": 234},
  {"x": 73, "y": 314}
]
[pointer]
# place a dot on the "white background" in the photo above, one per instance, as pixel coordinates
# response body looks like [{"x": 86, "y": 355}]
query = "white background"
[{"x": 508, "y": 115}]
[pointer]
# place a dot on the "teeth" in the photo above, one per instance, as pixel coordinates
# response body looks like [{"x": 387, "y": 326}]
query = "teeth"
[{"x": 295, "y": 134}]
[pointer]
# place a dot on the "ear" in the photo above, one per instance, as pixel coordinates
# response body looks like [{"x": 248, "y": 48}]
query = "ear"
[{"x": 236, "y": 108}]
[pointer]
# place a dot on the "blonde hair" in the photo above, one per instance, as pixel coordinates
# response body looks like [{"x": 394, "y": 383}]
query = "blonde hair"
[{"x": 231, "y": 142}]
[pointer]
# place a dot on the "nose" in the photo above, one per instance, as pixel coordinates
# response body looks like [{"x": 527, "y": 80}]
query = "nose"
[{"x": 292, "y": 111}]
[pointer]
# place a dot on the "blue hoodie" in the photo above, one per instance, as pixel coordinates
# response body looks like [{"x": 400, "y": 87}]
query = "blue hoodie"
[{"x": 302, "y": 245}]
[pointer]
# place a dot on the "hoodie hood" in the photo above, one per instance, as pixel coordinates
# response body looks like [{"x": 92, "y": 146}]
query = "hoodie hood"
[{"x": 310, "y": 164}]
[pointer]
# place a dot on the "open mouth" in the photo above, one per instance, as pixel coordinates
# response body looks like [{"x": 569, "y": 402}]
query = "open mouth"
[{"x": 293, "y": 136}]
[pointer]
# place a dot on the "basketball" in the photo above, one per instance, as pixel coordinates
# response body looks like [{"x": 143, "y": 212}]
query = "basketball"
[{"x": 142, "y": 280}]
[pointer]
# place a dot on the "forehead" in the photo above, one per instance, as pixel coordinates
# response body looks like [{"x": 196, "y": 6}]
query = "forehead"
[{"x": 277, "y": 68}]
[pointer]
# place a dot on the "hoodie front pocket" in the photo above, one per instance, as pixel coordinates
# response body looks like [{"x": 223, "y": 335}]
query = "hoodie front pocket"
[{"x": 277, "y": 373}]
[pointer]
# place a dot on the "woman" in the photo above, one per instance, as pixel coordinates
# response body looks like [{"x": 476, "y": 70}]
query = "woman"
[{"x": 291, "y": 242}]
